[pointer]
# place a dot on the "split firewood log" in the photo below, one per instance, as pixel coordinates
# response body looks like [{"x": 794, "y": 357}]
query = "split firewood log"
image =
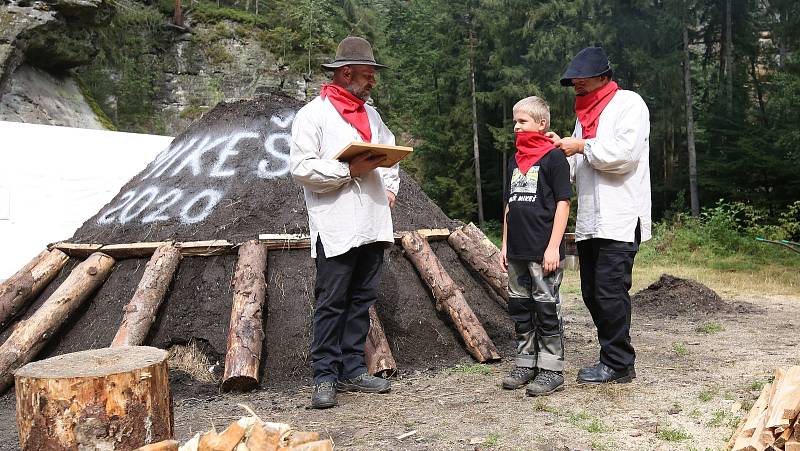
[{"x": 166, "y": 445}]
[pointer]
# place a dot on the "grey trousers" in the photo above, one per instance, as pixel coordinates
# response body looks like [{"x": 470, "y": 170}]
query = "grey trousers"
[{"x": 535, "y": 305}]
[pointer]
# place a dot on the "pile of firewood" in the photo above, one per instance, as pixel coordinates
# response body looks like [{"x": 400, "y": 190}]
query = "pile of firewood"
[
  {"x": 248, "y": 434},
  {"x": 772, "y": 423}
]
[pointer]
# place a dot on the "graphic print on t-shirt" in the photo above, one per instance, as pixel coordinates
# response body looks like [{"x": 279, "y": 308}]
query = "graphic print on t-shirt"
[{"x": 523, "y": 186}]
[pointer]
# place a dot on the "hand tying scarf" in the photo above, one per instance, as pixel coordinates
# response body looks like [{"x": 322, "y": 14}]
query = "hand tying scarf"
[
  {"x": 350, "y": 107},
  {"x": 531, "y": 147},
  {"x": 588, "y": 107}
]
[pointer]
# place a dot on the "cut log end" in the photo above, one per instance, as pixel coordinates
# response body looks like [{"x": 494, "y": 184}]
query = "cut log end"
[{"x": 239, "y": 383}]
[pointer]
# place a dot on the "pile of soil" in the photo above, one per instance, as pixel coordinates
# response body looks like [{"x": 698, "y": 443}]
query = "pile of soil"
[
  {"x": 197, "y": 306},
  {"x": 674, "y": 296}
]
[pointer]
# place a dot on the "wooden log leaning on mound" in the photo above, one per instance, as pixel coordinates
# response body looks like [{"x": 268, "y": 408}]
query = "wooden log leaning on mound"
[
  {"x": 140, "y": 313},
  {"x": 32, "y": 334},
  {"x": 108, "y": 398},
  {"x": 481, "y": 255},
  {"x": 380, "y": 361},
  {"x": 246, "y": 332},
  {"x": 449, "y": 297},
  {"x": 27, "y": 283}
]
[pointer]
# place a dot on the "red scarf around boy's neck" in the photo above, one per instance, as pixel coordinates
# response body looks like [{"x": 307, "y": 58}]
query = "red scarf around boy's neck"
[
  {"x": 531, "y": 147},
  {"x": 589, "y": 106},
  {"x": 350, "y": 107}
]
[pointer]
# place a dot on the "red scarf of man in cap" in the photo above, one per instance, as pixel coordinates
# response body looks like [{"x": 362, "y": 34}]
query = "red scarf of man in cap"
[
  {"x": 531, "y": 147},
  {"x": 589, "y": 106},
  {"x": 350, "y": 107}
]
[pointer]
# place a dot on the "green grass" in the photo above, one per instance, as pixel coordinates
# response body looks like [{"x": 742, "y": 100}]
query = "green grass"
[
  {"x": 473, "y": 368},
  {"x": 680, "y": 349},
  {"x": 710, "y": 328},
  {"x": 587, "y": 422},
  {"x": 540, "y": 405},
  {"x": 491, "y": 440},
  {"x": 757, "y": 385},
  {"x": 673, "y": 434},
  {"x": 708, "y": 393}
]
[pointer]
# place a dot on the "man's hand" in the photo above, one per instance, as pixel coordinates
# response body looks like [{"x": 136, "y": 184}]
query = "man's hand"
[
  {"x": 503, "y": 258},
  {"x": 364, "y": 163},
  {"x": 570, "y": 145},
  {"x": 553, "y": 136},
  {"x": 551, "y": 259},
  {"x": 390, "y": 195}
]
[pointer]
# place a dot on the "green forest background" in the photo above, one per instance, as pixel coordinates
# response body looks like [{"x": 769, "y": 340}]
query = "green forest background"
[{"x": 743, "y": 65}]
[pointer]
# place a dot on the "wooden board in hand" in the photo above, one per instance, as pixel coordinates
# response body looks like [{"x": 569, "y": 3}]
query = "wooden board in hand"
[{"x": 393, "y": 154}]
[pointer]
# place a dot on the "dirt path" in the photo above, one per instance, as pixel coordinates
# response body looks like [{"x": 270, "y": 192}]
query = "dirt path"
[{"x": 688, "y": 381}]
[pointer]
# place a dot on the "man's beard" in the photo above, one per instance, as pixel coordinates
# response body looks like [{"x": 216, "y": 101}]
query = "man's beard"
[{"x": 363, "y": 96}]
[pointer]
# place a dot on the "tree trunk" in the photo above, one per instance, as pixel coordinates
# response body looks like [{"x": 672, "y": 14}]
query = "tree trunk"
[
  {"x": 27, "y": 283},
  {"x": 687, "y": 86},
  {"x": 141, "y": 311},
  {"x": 32, "y": 334},
  {"x": 483, "y": 256},
  {"x": 762, "y": 109},
  {"x": 246, "y": 332},
  {"x": 475, "y": 148},
  {"x": 729, "y": 54},
  {"x": 178, "y": 19},
  {"x": 380, "y": 361},
  {"x": 104, "y": 399},
  {"x": 449, "y": 298}
]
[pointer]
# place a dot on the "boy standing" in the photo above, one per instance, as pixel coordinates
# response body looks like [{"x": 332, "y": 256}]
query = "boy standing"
[{"x": 538, "y": 196}]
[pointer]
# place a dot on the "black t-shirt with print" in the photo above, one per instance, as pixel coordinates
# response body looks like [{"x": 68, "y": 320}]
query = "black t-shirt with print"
[{"x": 532, "y": 201}]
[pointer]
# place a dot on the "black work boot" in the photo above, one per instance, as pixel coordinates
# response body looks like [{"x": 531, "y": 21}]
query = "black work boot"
[
  {"x": 365, "y": 383},
  {"x": 591, "y": 369},
  {"x": 518, "y": 377},
  {"x": 324, "y": 395},
  {"x": 545, "y": 383},
  {"x": 604, "y": 374}
]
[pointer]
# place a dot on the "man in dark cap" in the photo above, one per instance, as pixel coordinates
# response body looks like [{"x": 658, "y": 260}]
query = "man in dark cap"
[
  {"x": 349, "y": 218},
  {"x": 609, "y": 155}
]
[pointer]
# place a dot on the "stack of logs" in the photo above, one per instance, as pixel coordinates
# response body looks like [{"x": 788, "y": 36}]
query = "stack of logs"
[
  {"x": 772, "y": 423},
  {"x": 249, "y": 434},
  {"x": 246, "y": 333}
]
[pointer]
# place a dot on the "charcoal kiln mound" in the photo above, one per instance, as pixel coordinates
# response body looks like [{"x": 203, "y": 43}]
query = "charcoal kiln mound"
[
  {"x": 226, "y": 178},
  {"x": 674, "y": 296}
]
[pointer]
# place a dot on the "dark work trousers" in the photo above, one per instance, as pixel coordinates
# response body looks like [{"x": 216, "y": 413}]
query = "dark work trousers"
[
  {"x": 345, "y": 288},
  {"x": 606, "y": 267}
]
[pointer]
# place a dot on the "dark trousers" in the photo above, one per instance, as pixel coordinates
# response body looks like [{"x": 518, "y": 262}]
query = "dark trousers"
[
  {"x": 606, "y": 267},
  {"x": 345, "y": 288}
]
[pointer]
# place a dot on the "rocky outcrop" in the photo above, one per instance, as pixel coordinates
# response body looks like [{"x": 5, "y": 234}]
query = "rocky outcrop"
[{"x": 38, "y": 97}]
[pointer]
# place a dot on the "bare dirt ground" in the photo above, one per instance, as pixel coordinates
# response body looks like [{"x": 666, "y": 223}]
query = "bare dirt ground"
[{"x": 693, "y": 373}]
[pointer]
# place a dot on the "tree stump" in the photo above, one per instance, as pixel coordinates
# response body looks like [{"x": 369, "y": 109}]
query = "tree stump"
[
  {"x": 380, "y": 361},
  {"x": 483, "y": 256},
  {"x": 140, "y": 313},
  {"x": 27, "y": 283},
  {"x": 109, "y": 399},
  {"x": 449, "y": 297}
]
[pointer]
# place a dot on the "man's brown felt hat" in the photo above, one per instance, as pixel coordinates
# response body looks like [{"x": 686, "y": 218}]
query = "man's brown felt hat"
[{"x": 353, "y": 50}]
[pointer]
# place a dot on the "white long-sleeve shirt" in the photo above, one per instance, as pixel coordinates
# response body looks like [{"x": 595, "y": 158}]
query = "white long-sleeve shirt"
[
  {"x": 613, "y": 173},
  {"x": 344, "y": 212}
]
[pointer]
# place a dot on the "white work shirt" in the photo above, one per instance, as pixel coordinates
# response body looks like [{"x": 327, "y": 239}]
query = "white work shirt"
[
  {"x": 344, "y": 212},
  {"x": 612, "y": 175}
]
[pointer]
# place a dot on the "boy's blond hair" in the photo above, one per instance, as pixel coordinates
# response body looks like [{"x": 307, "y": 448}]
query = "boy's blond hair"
[{"x": 534, "y": 107}]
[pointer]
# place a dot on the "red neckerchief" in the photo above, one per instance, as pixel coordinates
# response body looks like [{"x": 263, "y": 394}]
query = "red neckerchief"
[
  {"x": 588, "y": 107},
  {"x": 350, "y": 107},
  {"x": 531, "y": 147}
]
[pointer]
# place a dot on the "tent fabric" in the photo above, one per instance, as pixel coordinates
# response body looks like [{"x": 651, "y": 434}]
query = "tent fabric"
[{"x": 53, "y": 178}]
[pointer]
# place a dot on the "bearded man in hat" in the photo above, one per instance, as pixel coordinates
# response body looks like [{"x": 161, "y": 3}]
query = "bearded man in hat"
[
  {"x": 349, "y": 218},
  {"x": 609, "y": 155}
]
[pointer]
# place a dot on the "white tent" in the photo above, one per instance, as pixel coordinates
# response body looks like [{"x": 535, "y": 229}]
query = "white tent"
[{"x": 52, "y": 179}]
